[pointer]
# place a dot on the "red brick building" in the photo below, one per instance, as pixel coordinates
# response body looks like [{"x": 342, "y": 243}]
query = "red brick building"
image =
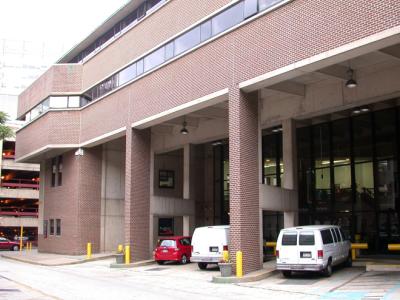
[{"x": 257, "y": 113}]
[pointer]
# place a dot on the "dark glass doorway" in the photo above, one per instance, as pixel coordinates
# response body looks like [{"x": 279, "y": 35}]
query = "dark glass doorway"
[{"x": 221, "y": 183}]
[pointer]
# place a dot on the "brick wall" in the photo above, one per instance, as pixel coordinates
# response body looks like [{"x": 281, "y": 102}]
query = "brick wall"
[
  {"x": 137, "y": 193},
  {"x": 57, "y": 79},
  {"x": 77, "y": 202},
  {"x": 243, "y": 178}
]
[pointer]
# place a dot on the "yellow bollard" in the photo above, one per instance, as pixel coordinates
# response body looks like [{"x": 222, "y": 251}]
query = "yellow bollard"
[
  {"x": 20, "y": 239},
  {"x": 239, "y": 264},
  {"x": 120, "y": 248},
  {"x": 353, "y": 254},
  {"x": 127, "y": 255},
  {"x": 225, "y": 255},
  {"x": 88, "y": 250}
]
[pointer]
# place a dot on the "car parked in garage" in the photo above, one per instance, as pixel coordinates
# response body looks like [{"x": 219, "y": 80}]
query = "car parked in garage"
[
  {"x": 312, "y": 248},
  {"x": 174, "y": 248},
  {"x": 6, "y": 244}
]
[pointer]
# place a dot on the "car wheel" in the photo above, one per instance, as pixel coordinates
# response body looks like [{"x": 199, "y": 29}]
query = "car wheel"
[
  {"x": 202, "y": 266},
  {"x": 183, "y": 259},
  {"x": 160, "y": 262},
  {"x": 287, "y": 274},
  {"x": 15, "y": 248},
  {"x": 328, "y": 270},
  {"x": 349, "y": 261}
]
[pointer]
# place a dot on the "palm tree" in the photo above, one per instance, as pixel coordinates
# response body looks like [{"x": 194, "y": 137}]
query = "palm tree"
[{"x": 5, "y": 131}]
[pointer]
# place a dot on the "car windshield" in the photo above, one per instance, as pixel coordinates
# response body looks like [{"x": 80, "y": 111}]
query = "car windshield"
[{"x": 168, "y": 243}]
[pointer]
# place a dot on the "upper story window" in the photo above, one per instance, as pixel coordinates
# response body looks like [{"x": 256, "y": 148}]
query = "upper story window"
[
  {"x": 56, "y": 171},
  {"x": 144, "y": 8}
]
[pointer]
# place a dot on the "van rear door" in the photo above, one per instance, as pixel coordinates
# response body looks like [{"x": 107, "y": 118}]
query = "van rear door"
[
  {"x": 288, "y": 252},
  {"x": 307, "y": 251}
]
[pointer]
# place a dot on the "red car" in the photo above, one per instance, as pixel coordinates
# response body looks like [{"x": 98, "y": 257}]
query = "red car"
[
  {"x": 174, "y": 248},
  {"x": 6, "y": 244}
]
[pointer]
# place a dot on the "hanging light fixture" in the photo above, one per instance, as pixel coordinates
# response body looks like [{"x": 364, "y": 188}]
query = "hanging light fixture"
[
  {"x": 184, "y": 124},
  {"x": 351, "y": 83}
]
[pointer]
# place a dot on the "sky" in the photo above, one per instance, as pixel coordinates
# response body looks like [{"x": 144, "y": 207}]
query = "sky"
[{"x": 54, "y": 21}]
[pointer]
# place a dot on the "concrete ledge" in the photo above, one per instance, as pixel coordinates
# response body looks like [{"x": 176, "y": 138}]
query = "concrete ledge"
[
  {"x": 132, "y": 265},
  {"x": 251, "y": 277},
  {"x": 61, "y": 261},
  {"x": 383, "y": 267}
]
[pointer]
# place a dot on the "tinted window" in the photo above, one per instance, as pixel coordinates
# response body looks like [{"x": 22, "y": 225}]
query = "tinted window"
[
  {"x": 167, "y": 243},
  {"x": 250, "y": 8},
  {"x": 345, "y": 238},
  {"x": 338, "y": 234},
  {"x": 306, "y": 239},
  {"x": 335, "y": 238},
  {"x": 326, "y": 236},
  {"x": 154, "y": 59},
  {"x": 187, "y": 41},
  {"x": 205, "y": 30},
  {"x": 185, "y": 242},
  {"x": 289, "y": 239},
  {"x": 227, "y": 19}
]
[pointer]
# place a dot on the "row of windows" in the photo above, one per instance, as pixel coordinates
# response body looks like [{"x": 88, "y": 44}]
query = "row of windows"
[
  {"x": 56, "y": 171},
  {"x": 188, "y": 40},
  {"x": 209, "y": 28},
  {"x": 144, "y": 8},
  {"x": 55, "y": 102},
  {"x": 51, "y": 227}
]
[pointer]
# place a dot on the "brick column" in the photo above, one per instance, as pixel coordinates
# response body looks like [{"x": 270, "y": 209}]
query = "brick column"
[
  {"x": 137, "y": 193},
  {"x": 243, "y": 178}
]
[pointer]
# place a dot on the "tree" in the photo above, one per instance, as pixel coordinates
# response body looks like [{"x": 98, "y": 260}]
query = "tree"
[{"x": 5, "y": 131}]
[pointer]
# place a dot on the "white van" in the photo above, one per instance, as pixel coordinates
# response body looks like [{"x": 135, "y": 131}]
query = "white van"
[
  {"x": 312, "y": 248},
  {"x": 208, "y": 244}
]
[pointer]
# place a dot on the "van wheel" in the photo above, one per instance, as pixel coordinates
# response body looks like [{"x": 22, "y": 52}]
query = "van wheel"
[
  {"x": 160, "y": 262},
  {"x": 202, "y": 266},
  {"x": 15, "y": 248},
  {"x": 349, "y": 261},
  {"x": 328, "y": 270},
  {"x": 183, "y": 260},
  {"x": 287, "y": 274}
]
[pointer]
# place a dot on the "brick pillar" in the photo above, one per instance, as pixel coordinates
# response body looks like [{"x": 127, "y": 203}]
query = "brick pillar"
[
  {"x": 243, "y": 178},
  {"x": 137, "y": 193}
]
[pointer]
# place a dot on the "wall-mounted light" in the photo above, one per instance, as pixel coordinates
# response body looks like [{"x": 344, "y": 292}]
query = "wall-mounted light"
[
  {"x": 277, "y": 129},
  {"x": 360, "y": 110},
  {"x": 351, "y": 82},
  {"x": 184, "y": 130}
]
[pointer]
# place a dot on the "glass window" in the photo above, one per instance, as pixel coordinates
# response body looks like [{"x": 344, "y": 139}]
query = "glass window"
[
  {"x": 58, "y": 226},
  {"x": 334, "y": 234},
  {"x": 139, "y": 67},
  {"x": 167, "y": 243},
  {"x": 250, "y": 8},
  {"x": 385, "y": 133},
  {"x": 154, "y": 59},
  {"x": 36, "y": 111},
  {"x": 169, "y": 50},
  {"x": 326, "y": 236},
  {"x": 28, "y": 116},
  {"x": 338, "y": 234},
  {"x": 187, "y": 40},
  {"x": 166, "y": 179},
  {"x": 344, "y": 236},
  {"x": 289, "y": 239},
  {"x": 127, "y": 74},
  {"x": 364, "y": 186},
  {"x": 73, "y": 101},
  {"x": 304, "y": 148},
  {"x": 264, "y": 4},
  {"x": 323, "y": 196},
  {"x": 362, "y": 138},
  {"x": 45, "y": 230},
  {"x": 386, "y": 193},
  {"x": 185, "y": 242},
  {"x": 272, "y": 158},
  {"x": 53, "y": 172},
  {"x": 166, "y": 226},
  {"x": 59, "y": 170},
  {"x": 51, "y": 226},
  {"x": 306, "y": 239},
  {"x": 341, "y": 142},
  {"x": 322, "y": 146},
  {"x": 46, "y": 104},
  {"x": 343, "y": 191},
  {"x": 228, "y": 18},
  {"x": 58, "y": 102},
  {"x": 205, "y": 30}
]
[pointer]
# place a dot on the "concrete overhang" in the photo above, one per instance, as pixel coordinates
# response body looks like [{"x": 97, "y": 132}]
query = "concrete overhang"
[{"x": 348, "y": 51}]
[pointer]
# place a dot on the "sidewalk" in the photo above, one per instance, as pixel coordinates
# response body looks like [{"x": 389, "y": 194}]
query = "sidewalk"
[{"x": 49, "y": 259}]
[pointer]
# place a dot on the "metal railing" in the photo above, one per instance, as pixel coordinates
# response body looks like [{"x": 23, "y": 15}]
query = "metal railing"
[{"x": 20, "y": 184}]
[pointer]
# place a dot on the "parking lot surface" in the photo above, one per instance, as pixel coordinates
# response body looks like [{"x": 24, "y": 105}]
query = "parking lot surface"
[{"x": 96, "y": 280}]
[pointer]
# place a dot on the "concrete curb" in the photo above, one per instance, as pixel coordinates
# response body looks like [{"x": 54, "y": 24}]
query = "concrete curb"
[
  {"x": 382, "y": 267},
  {"x": 132, "y": 265},
  {"x": 24, "y": 260},
  {"x": 251, "y": 277}
]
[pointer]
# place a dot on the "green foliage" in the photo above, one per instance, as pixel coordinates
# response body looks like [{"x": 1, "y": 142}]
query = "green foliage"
[{"x": 5, "y": 131}]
